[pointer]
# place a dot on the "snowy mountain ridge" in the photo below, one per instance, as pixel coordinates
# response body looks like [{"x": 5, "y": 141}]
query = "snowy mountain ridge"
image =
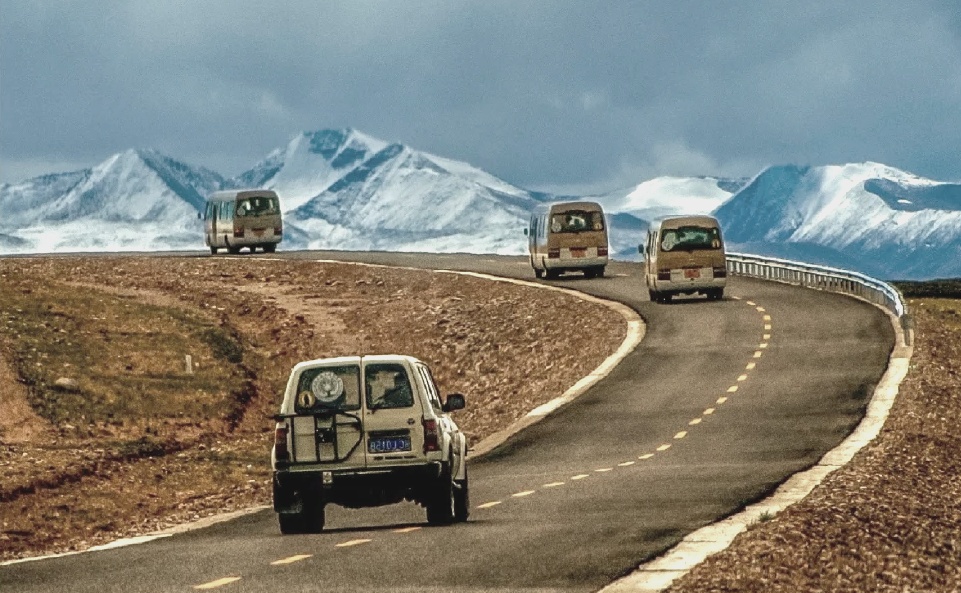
[{"x": 342, "y": 189}]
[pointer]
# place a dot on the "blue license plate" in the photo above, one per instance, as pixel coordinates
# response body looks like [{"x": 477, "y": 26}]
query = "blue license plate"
[{"x": 388, "y": 444}]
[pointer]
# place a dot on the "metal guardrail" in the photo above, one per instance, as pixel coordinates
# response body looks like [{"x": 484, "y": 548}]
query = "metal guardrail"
[{"x": 825, "y": 278}]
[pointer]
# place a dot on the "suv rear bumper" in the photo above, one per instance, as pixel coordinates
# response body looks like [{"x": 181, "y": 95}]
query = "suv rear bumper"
[{"x": 353, "y": 488}]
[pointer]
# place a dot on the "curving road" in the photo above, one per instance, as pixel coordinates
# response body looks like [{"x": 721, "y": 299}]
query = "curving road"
[{"x": 720, "y": 403}]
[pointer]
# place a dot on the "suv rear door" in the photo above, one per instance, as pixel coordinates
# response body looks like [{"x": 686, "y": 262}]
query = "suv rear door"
[
  {"x": 393, "y": 414},
  {"x": 326, "y": 425}
]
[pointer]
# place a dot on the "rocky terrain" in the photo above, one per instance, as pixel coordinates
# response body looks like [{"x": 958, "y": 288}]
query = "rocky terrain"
[{"x": 104, "y": 434}]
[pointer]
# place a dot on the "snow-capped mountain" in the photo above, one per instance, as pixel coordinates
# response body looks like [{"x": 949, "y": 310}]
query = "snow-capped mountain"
[
  {"x": 663, "y": 196},
  {"x": 310, "y": 163},
  {"x": 863, "y": 216},
  {"x": 342, "y": 189},
  {"x": 134, "y": 200}
]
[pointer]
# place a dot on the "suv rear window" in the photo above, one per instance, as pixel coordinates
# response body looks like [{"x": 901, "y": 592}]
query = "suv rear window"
[
  {"x": 328, "y": 388},
  {"x": 387, "y": 386}
]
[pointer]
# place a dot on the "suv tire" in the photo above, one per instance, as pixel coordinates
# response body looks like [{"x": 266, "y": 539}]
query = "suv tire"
[
  {"x": 441, "y": 506},
  {"x": 462, "y": 499},
  {"x": 310, "y": 520}
]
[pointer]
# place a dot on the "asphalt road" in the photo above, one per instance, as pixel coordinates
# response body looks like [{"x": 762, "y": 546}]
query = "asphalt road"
[{"x": 721, "y": 402}]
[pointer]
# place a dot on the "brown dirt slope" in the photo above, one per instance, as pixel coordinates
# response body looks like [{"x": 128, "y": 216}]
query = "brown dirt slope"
[{"x": 134, "y": 443}]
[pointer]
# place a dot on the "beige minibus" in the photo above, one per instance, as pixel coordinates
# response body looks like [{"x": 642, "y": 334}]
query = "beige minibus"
[
  {"x": 684, "y": 255},
  {"x": 568, "y": 236},
  {"x": 249, "y": 218}
]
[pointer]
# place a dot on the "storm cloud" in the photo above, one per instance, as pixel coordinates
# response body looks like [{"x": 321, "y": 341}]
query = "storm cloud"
[{"x": 564, "y": 96}]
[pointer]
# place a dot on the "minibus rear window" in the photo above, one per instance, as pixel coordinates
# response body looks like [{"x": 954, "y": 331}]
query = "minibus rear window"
[
  {"x": 691, "y": 238},
  {"x": 257, "y": 206},
  {"x": 577, "y": 221}
]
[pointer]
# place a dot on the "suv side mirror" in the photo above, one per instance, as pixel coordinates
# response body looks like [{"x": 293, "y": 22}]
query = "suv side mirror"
[
  {"x": 640, "y": 249},
  {"x": 525, "y": 233},
  {"x": 455, "y": 401}
]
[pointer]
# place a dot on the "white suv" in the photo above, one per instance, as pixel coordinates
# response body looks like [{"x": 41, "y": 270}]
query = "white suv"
[{"x": 363, "y": 431}]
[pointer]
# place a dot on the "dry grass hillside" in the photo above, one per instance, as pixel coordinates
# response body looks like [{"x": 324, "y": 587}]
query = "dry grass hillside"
[{"x": 104, "y": 433}]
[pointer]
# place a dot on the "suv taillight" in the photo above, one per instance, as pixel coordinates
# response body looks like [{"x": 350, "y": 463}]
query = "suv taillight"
[
  {"x": 238, "y": 231},
  {"x": 554, "y": 252},
  {"x": 431, "y": 436},
  {"x": 720, "y": 272},
  {"x": 602, "y": 251},
  {"x": 279, "y": 230},
  {"x": 280, "y": 444},
  {"x": 664, "y": 275}
]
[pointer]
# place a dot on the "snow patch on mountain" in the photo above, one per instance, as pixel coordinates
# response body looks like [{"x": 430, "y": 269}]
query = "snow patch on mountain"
[{"x": 868, "y": 212}]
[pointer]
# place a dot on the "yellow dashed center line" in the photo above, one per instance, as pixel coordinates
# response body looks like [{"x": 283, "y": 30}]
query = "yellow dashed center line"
[
  {"x": 291, "y": 559},
  {"x": 407, "y": 529},
  {"x": 217, "y": 583},
  {"x": 664, "y": 447},
  {"x": 351, "y": 543}
]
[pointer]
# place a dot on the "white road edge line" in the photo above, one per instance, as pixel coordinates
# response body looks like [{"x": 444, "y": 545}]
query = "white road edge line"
[{"x": 658, "y": 574}]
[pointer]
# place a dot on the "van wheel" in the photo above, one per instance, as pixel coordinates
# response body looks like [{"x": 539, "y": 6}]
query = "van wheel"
[
  {"x": 213, "y": 250},
  {"x": 715, "y": 294},
  {"x": 441, "y": 506},
  {"x": 600, "y": 271},
  {"x": 270, "y": 248},
  {"x": 462, "y": 499},
  {"x": 552, "y": 274},
  {"x": 538, "y": 273}
]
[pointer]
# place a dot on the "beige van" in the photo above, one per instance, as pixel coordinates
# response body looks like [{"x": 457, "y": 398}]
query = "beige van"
[
  {"x": 684, "y": 255},
  {"x": 567, "y": 237},
  {"x": 248, "y": 218}
]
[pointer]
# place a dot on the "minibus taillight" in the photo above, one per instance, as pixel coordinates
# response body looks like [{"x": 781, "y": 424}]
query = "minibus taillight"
[
  {"x": 238, "y": 231},
  {"x": 602, "y": 251},
  {"x": 279, "y": 230},
  {"x": 664, "y": 275},
  {"x": 280, "y": 443},
  {"x": 554, "y": 252},
  {"x": 431, "y": 436},
  {"x": 720, "y": 272}
]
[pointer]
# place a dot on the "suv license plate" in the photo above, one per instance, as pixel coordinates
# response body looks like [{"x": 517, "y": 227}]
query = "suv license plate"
[
  {"x": 388, "y": 444},
  {"x": 692, "y": 273}
]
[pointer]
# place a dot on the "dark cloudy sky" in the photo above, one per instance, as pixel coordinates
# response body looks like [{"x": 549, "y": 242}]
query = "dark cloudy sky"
[{"x": 556, "y": 95}]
